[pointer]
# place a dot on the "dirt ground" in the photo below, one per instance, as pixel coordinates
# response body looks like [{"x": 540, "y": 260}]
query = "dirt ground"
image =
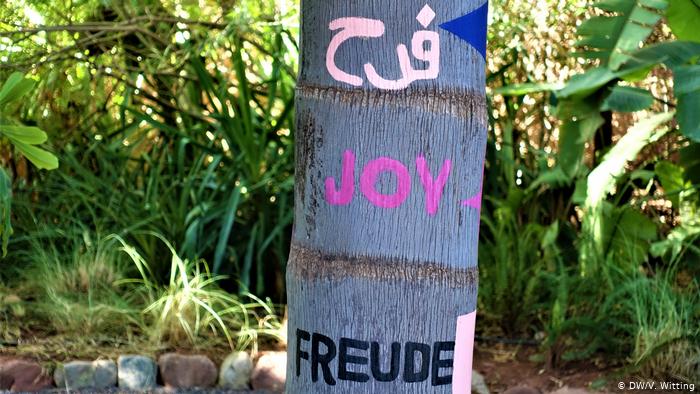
[{"x": 506, "y": 366}]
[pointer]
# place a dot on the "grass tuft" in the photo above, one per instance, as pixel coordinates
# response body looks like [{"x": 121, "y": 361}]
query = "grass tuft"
[{"x": 191, "y": 307}]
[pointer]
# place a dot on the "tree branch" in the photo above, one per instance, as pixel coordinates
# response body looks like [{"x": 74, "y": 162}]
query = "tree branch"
[{"x": 133, "y": 24}]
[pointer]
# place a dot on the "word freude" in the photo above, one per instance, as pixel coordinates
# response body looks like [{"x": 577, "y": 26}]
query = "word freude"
[
  {"x": 433, "y": 186},
  {"x": 359, "y": 361}
]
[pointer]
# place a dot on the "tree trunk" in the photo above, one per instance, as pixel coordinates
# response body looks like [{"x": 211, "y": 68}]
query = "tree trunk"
[{"x": 391, "y": 136}]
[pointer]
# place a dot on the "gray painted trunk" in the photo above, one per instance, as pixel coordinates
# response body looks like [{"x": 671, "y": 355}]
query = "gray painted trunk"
[{"x": 391, "y": 133}]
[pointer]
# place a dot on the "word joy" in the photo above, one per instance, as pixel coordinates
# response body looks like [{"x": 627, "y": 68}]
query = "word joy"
[
  {"x": 433, "y": 186},
  {"x": 368, "y": 179},
  {"x": 353, "y": 27},
  {"x": 359, "y": 360}
]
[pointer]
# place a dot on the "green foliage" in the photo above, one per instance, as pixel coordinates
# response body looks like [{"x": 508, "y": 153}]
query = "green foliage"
[
  {"x": 610, "y": 233},
  {"x": 509, "y": 270},
  {"x": 622, "y": 202},
  {"x": 11, "y": 310},
  {"x": 681, "y": 57},
  {"x": 192, "y": 139},
  {"x": 672, "y": 180},
  {"x": 5, "y": 209},
  {"x": 614, "y": 38},
  {"x": 191, "y": 305},
  {"x": 683, "y": 16},
  {"x": 185, "y": 131},
  {"x": 73, "y": 284},
  {"x": 683, "y": 194},
  {"x": 80, "y": 285},
  {"x": 663, "y": 323},
  {"x": 603, "y": 178},
  {"x": 584, "y": 85},
  {"x": 690, "y": 160},
  {"x": 572, "y": 141},
  {"x": 627, "y": 99},
  {"x": 598, "y": 90},
  {"x": 625, "y": 236},
  {"x": 22, "y": 137},
  {"x": 687, "y": 79},
  {"x": 14, "y": 88},
  {"x": 525, "y": 88}
]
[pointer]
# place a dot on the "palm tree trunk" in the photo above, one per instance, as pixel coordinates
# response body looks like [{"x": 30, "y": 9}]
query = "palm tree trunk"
[{"x": 382, "y": 275}]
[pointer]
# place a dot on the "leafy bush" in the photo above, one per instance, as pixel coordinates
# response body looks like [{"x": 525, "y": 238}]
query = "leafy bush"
[
  {"x": 25, "y": 139},
  {"x": 598, "y": 157},
  {"x": 189, "y": 138}
]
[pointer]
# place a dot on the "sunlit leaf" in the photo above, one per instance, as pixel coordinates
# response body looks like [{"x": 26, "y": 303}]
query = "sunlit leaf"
[
  {"x": 582, "y": 85},
  {"x": 602, "y": 179},
  {"x": 526, "y": 88},
  {"x": 599, "y": 223},
  {"x": 14, "y": 88},
  {"x": 25, "y": 134},
  {"x": 683, "y": 17},
  {"x": 39, "y": 157}
]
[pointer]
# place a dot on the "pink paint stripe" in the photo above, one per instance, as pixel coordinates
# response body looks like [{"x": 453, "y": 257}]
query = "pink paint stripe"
[
  {"x": 474, "y": 202},
  {"x": 464, "y": 351}
]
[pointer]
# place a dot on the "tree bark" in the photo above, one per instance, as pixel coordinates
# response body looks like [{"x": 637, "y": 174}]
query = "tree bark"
[{"x": 382, "y": 275}]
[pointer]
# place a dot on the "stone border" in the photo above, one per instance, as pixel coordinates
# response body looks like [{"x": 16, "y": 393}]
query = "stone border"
[
  {"x": 142, "y": 374},
  {"x": 171, "y": 373}
]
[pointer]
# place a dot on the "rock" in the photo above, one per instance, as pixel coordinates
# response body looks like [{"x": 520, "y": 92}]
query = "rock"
[
  {"x": 522, "y": 390},
  {"x": 77, "y": 375},
  {"x": 270, "y": 371},
  {"x": 23, "y": 375},
  {"x": 235, "y": 371},
  {"x": 183, "y": 371},
  {"x": 59, "y": 377},
  {"x": 479, "y": 384},
  {"x": 105, "y": 373},
  {"x": 136, "y": 372}
]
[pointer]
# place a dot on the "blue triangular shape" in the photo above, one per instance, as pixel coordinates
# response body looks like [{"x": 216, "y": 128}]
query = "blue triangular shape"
[{"x": 471, "y": 28}]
